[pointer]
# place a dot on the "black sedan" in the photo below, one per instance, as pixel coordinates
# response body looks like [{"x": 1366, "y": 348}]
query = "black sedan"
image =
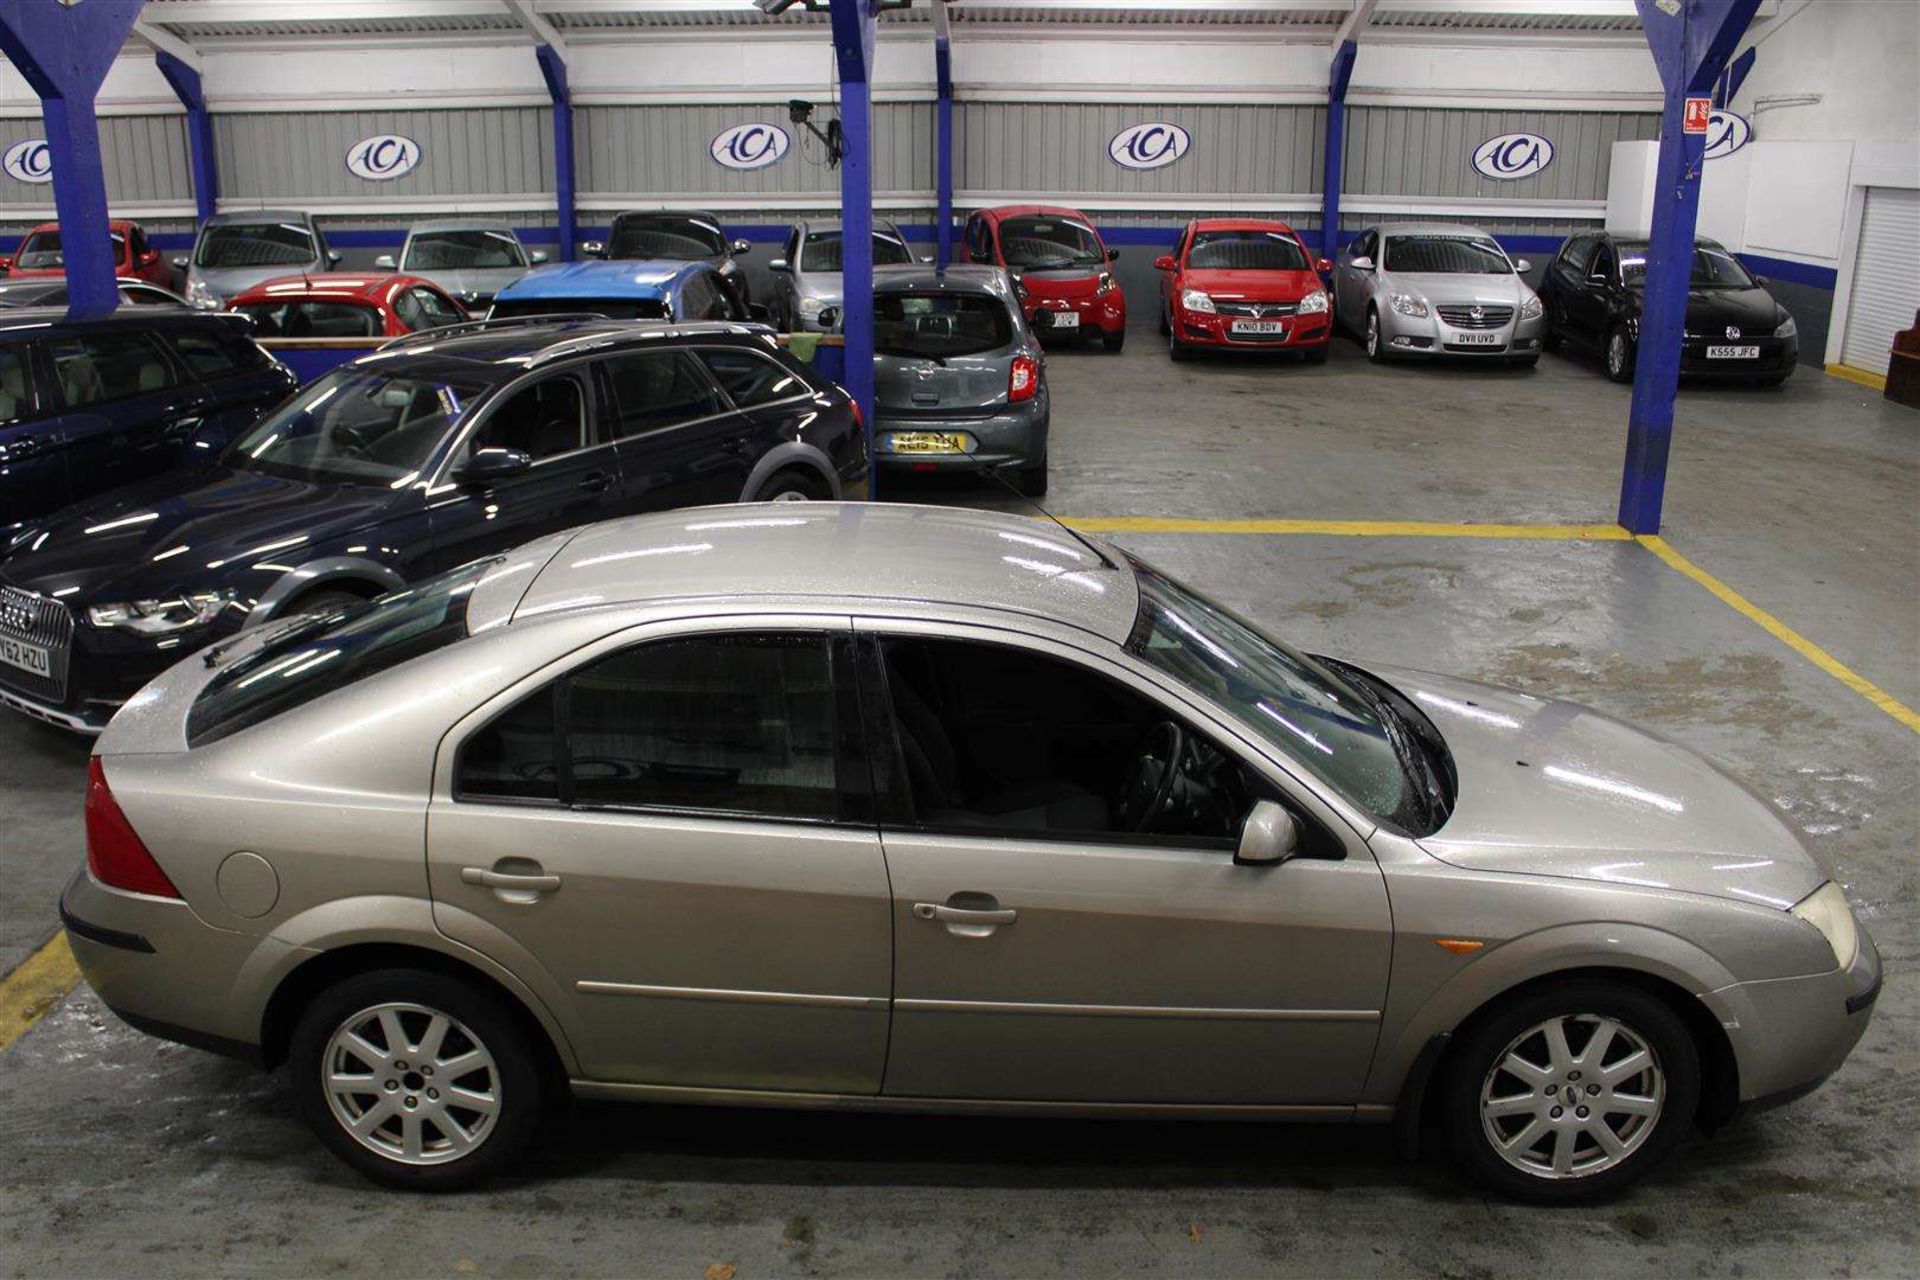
[
  {"x": 398, "y": 465},
  {"x": 1735, "y": 329}
]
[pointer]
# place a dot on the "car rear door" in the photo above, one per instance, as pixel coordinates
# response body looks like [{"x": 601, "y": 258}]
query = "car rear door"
[
  {"x": 681, "y": 443},
  {"x": 128, "y": 407},
  {"x": 33, "y": 463},
  {"x": 240, "y": 380}
]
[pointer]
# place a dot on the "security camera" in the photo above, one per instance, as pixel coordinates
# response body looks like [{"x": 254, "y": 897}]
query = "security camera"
[{"x": 799, "y": 110}]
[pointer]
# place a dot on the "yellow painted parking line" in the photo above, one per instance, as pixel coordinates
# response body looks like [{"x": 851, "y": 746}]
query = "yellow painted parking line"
[
  {"x": 1878, "y": 381},
  {"x": 36, "y": 986},
  {"x": 1352, "y": 528},
  {"x": 1786, "y": 635}
]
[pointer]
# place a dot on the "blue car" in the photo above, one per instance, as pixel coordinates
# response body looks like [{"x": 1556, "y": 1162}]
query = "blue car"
[
  {"x": 89, "y": 405},
  {"x": 438, "y": 449},
  {"x": 626, "y": 289}
]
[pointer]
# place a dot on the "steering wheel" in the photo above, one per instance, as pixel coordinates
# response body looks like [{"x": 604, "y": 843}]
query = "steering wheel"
[{"x": 1154, "y": 773}]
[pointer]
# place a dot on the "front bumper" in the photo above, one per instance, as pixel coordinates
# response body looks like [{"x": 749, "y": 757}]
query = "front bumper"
[
  {"x": 1790, "y": 1034},
  {"x": 1430, "y": 336},
  {"x": 1017, "y": 436},
  {"x": 1298, "y": 332},
  {"x": 103, "y": 670},
  {"x": 1777, "y": 358}
]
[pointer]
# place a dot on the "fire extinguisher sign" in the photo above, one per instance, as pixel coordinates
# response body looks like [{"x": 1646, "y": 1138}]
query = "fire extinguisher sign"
[{"x": 1699, "y": 112}]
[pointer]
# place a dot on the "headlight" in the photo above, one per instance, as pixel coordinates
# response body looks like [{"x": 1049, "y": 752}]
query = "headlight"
[
  {"x": 1531, "y": 308},
  {"x": 1105, "y": 286},
  {"x": 161, "y": 617},
  {"x": 1314, "y": 303},
  {"x": 810, "y": 308},
  {"x": 1826, "y": 910},
  {"x": 1194, "y": 300},
  {"x": 1408, "y": 305},
  {"x": 1787, "y": 329},
  {"x": 202, "y": 297}
]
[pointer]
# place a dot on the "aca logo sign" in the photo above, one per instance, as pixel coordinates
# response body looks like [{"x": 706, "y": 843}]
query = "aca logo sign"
[
  {"x": 28, "y": 161},
  {"x": 1512, "y": 156},
  {"x": 750, "y": 146},
  {"x": 1726, "y": 134},
  {"x": 1153, "y": 145},
  {"x": 383, "y": 157}
]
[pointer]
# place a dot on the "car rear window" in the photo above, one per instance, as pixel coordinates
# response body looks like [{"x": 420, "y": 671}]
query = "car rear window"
[
  {"x": 304, "y": 318},
  {"x": 325, "y": 652},
  {"x": 940, "y": 324},
  {"x": 611, "y": 308}
]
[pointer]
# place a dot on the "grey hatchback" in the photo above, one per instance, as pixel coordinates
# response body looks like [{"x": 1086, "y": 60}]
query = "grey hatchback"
[{"x": 960, "y": 381}]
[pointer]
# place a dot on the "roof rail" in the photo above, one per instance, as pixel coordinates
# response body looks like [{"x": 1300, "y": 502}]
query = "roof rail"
[{"x": 483, "y": 326}]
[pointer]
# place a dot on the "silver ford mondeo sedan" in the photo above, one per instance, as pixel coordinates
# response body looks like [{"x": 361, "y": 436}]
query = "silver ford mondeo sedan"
[{"x": 897, "y": 808}]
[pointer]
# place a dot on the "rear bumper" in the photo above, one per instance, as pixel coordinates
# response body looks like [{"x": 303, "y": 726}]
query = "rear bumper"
[
  {"x": 1102, "y": 316},
  {"x": 1016, "y": 437}
]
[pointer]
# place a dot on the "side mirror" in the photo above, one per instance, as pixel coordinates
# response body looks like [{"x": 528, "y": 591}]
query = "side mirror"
[
  {"x": 150, "y": 257},
  {"x": 1164, "y": 262},
  {"x": 780, "y": 267},
  {"x": 1113, "y": 255},
  {"x": 537, "y": 257},
  {"x": 740, "y": 246},
  {"x": 333, "y": 258},
  {"x": 594, "y": 249},
  {"x": 386, "y": 260},
  {"x": 178, "y": 262},
  {"x": 1268, "y": 837},
  {"x": 488, "y": 465},
  {"x": 926, "y": 257},
  {"x": 829, "y": 318},
  {"x": 1323, "y": 265},
  {"x": 1762, "y": 281},
  {"x": 1362, "y": 263},
  {"x": 1522, "y": 265},
  {"x": 1597, "y": 277}
]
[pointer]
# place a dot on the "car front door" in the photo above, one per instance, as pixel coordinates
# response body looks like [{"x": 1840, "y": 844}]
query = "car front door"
[
  {"x": 33, "y": 464},
  {"x": 241, "y": 382},
  {"x": 1588, "y": 302},
  {"x": 1353, "y": 285},
  {"x": 672, "y": 844},
  {"x": 1044, "y": 953},
  {"x": 680, "y": 443},
  {"x": 128, "y": 407}
]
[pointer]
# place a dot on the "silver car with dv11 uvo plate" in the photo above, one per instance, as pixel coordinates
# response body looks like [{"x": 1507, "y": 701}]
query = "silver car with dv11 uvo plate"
[
  {"x": 898, "y": 808},
  {"x": 1426, "y": 290}
]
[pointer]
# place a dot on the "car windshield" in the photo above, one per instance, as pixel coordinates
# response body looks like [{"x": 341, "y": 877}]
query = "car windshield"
[
  {"x": 462, "y": 250},
  {"x": 309, "y": 318},
  {"x": 255, "y": 244},
  {"x": 665, "y": 236},
  {"x": 1040, "y": 243},
  {"x": 354, "y": 426},
  {"x": 41, "y": 251},
  {"x": 328, "y": 652},
  {"x": 1246, "y": 251},
  {"x": 822, "y": 251},
  {"x": 1314, "y": 717},
  {"x": 1713, "y": 268},
  {"x": 1447, "y": 256},
  {"x": 611, "y": 308},
  {"x": 938, "y": 325}
]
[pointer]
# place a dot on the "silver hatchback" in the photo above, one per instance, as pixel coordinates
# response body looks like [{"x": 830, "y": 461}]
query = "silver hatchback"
[{"x": 918, "y": 809}]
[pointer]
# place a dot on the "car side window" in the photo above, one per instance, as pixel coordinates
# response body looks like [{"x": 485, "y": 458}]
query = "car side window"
[
  {"x": 137, "y": 244},
  {"x": 750, "y": 378},
  {"x": 656, "y": 389},
  {"x": 544, "y": 420},
  {"x": 17, "y": 401},
  {"x": 407, "y": 307},
  {"x": 94, "y": 368},
  {"x": 211, "y": 356},
  {"x": 437, "y": 309},
  {"x": 1602, "y": 263},
  {"x": 1001, "y": 740},
  {"x": 697, "y": 300},
  {"x": 1574, "y": 256}
]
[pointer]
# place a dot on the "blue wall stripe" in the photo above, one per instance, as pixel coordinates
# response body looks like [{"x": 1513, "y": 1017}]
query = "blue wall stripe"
[{"x": 1792, "y": 272}]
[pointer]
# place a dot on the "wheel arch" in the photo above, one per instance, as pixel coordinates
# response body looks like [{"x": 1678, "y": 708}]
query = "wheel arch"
[
  {"x": 339, "y": 573},
  {"x": 794, "y": 454}
]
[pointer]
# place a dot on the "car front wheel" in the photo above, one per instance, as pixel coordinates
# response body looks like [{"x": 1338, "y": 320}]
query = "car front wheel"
[
  {"x": 1376, "y": 346},
  {"x": 1569, "y": 1092},
  {"x": 417, "y": 1079},
  {"x": 1619, "y": 355}
]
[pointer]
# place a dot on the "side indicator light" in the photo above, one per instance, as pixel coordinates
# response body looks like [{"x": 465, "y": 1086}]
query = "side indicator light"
[{"x": 1459, "y": 946}]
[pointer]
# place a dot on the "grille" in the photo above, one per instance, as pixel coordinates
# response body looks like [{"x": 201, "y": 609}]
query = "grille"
[
  {"x": 36, "y": 620},
  {"x": 1256, "y": 310},
  {"x": 1471, "y": 349},
  {"x": 1464, "y": 318}
]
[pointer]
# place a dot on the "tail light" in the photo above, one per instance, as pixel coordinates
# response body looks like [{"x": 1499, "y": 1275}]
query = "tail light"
[
  {"x": 1023, "y": 379},
  {"x": 115, "y": 854}
]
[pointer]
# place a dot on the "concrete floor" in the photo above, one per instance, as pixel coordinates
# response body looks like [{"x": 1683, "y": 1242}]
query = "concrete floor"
[{"x": 127, "y": 1156}]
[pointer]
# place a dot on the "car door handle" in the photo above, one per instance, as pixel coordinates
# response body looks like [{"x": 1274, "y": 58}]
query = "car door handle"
[
  {"x": 516, "y": 887},
  {"x": 23, "y": 447},
  {"x": 734, "y": 444},
  {"x": 595, "y": 482},
  {"x": 966, "y": 922}
]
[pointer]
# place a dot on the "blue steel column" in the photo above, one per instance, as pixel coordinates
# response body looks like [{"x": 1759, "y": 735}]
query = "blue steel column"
[
  {"x": 64, "y": 52},
  {"x": 200, "y": 156},
  {"x": 1690, "y": 47},
  {"x": 554, "y": 69},
  {"x": 943, "y": 148},
  {"x": 1337, "y": 78},
  {"x": 853, "y": 34}
]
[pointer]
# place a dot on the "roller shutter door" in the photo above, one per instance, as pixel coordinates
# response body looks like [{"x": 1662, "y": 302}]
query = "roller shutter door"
[{"x": 1886, "y": 277}]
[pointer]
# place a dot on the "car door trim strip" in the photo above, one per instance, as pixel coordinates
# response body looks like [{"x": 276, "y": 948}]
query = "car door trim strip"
[
  {"x": 1135, "y": 1011},
  {"x": 594, "y": 987}
]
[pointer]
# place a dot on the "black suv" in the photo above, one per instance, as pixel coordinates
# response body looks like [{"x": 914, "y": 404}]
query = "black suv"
[
  {"x": 89, "y": 405},
  {"x": 437, "y": 449},
  {"x": 1593, "y": 289}
]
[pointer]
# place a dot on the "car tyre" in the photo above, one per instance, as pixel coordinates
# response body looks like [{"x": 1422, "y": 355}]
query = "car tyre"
[
  {"x": 1316, "y": 355},
  {"x": 792, "y": 485},
  {"x": 1114, "y": 341},
  {"x": 1619, "y": 355},
  {"x": 1375, "y": 342},
  {"x": 1166, "y": 324},
  {"x": 418, "y": 1022},
  {"x": 1506, "y": 1077},
  {"x": 1177, "y": 349},
  {"x": 1549, "y": 339},
  {"x": 1033, "y": 480}
]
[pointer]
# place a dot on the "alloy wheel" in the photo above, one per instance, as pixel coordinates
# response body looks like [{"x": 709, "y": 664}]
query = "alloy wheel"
[
  {"x": 411, "y": 1084},
  {"x": 1572, "y": 1096},
  {"x": 1617, "y": 354},
  {"x": 1373, "y": 334}
]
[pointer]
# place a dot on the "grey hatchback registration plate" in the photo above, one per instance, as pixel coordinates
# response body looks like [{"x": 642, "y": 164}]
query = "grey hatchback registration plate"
[{"x": 28, "y": 657}]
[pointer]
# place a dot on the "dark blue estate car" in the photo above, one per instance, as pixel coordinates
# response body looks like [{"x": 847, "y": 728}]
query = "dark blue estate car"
[
  {"x": 89, "y": 405},
  {"x": 436, "y": 449}
]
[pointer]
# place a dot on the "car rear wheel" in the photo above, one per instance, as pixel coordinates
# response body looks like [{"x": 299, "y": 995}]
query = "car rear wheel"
[
  {"x": 417, "y": 1079},
  {"x": 1569, "y": 1092},
  {"x": 1376, "y": 345},
  {"x": 1619, "y": 355},
  {"x": 792, "y": 485},
  {"x": 1033, "y": 480}
]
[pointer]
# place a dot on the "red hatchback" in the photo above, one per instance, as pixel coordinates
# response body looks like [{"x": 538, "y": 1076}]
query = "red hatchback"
[
  {"x": 40, "y": 254},
  {"x": 1059, "y": 267},
  {"x": 341, "y": 305},
  {"x": 1244, "y": 282}
]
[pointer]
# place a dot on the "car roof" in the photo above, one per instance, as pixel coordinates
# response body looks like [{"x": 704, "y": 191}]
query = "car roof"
[
  {"x": 38, "y": 321},
  {"x": 341, "y": 286},
  {"x": 53, "y": 224},
  {"x": 702, "y": 214},
  {"x": 1037, "y": 211},
  {"x": 853, "y": 554},
  {"x": 249, "y": 216},
  {"x": 835, "y": 224},
  {"x": 959, "y": 276},
  {"x": 506, "y": 350},
  {"x": 460, "y": 224},
  {"x": 1433, "y": 229},
  {"x": 1241, "y": 224},
  {"x": 652, "y": 278}
]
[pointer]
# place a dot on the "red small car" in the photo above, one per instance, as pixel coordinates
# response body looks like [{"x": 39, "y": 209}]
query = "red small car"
[
  {"x": 1244, "y": 282},
  {"x": 339, "y": 304},
  {"x": 1059, "y": 267},
  {"x": 134, "y": 258}
]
